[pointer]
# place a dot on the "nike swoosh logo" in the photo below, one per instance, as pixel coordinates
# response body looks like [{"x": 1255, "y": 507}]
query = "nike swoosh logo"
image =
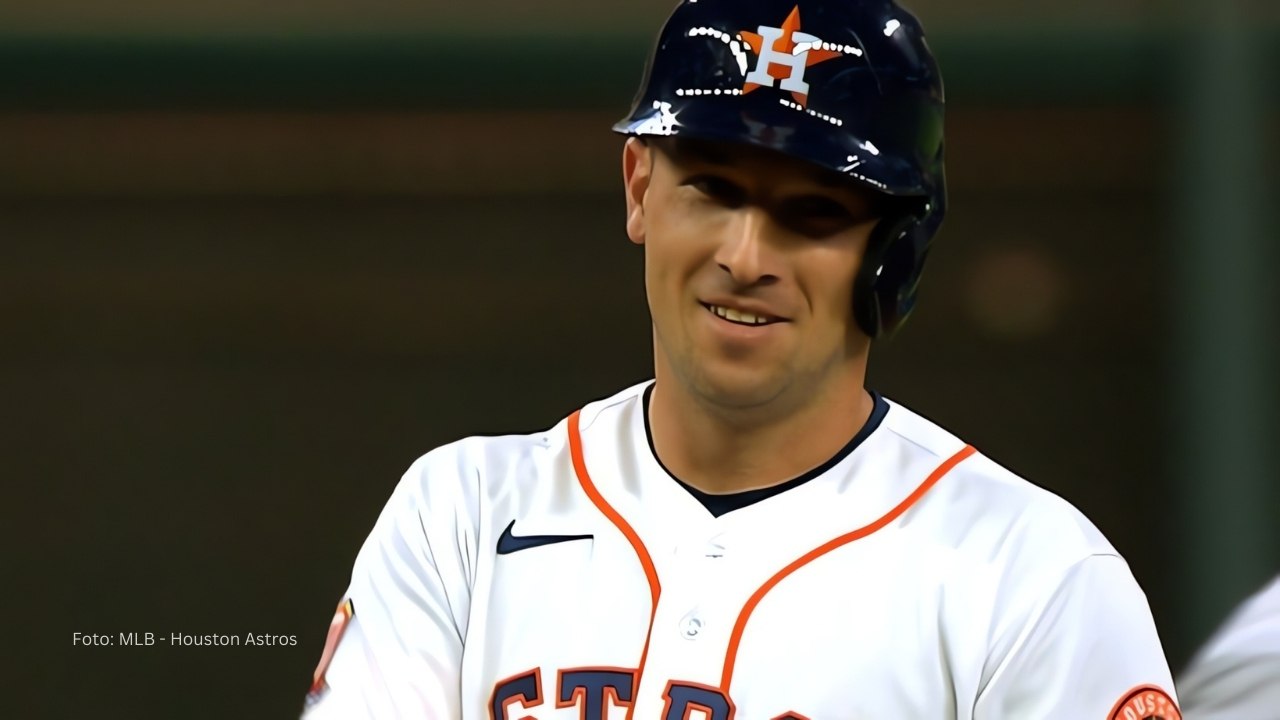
[{"x": 508, "y": 543}]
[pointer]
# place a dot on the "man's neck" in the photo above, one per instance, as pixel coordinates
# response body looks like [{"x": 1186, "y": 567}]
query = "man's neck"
[{"x": 722, "y": 452}]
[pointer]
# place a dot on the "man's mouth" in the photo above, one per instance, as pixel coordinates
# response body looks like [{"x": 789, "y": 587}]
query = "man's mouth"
[{"x": 740, "y": 317}]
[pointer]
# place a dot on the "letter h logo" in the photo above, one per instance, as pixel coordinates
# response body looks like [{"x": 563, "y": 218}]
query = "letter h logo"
[{"x": 783, "y": 53}]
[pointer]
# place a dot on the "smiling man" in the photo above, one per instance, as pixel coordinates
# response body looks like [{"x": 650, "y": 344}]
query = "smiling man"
[
  {"x": 749, "y": 257},
  {"x": 752, "y": 534}
]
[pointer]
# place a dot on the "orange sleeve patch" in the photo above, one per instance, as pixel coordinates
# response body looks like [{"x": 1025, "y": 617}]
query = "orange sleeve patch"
[
  {"x": 336, "y": 628},
  {"x": 1146, "y": 702}
]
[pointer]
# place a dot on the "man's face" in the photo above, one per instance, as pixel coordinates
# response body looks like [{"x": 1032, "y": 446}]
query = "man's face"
[{"x": 750, "y": 258}]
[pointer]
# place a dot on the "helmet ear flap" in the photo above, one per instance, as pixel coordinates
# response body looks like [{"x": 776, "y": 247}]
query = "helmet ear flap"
[{"x": 884, "y": 290}]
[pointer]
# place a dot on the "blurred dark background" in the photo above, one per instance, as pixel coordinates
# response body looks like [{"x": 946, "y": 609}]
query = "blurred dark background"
[{"x": 256, "y": 258}]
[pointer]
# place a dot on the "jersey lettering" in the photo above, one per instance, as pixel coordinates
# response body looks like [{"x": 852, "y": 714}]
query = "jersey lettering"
[
  {"x": 525, "y": 688},
  {"x": 592, "y": 689},
  {"x": 683, "y": 699}
]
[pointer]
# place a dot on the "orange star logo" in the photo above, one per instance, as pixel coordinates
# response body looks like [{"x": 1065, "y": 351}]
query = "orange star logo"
[{"x": 781, "y": 59}]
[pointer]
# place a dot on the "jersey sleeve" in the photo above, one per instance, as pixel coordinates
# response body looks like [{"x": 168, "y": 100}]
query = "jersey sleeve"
[
  {"x": 1088, "y": 650},
  {"x": 398, "y": 653}
]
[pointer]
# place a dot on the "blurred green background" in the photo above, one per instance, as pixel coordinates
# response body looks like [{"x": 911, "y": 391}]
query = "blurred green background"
[{"x": 257, "y": 257}]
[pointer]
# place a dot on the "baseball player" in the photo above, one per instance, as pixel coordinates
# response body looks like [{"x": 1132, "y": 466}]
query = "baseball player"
[
  {"x": 751, "y": 534},
  {"x": 1236, "y": 675}
]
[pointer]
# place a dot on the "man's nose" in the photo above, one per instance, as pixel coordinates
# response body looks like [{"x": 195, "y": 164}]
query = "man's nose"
[{"x": 745, "y": 252}]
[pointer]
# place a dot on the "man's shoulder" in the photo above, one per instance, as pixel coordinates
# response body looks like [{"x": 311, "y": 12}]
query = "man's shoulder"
[
  {"x": 494, "y": 464},
  {"x": 916, "y": 430},
  {"x": 616, "y": 407},
  {"x": 990, "y": 512},
  {"x": 513, "y": 446}
]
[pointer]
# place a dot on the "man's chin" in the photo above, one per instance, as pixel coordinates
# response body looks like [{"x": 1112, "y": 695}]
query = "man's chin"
[{"x": 740, "y": 390}]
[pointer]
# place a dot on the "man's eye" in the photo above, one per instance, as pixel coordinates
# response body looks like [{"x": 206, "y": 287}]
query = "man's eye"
[
  {"x": 718, "y": 189},
  {"x": 820, "y": 208},
  {"x": 817, "y": 217}
]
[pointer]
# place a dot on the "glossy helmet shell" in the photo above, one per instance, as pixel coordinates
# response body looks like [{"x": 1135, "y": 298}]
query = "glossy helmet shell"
[{"x": 849, "y": 86}]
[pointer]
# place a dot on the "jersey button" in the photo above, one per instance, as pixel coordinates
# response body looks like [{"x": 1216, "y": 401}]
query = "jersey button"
[{"x": 691, "y": 626}]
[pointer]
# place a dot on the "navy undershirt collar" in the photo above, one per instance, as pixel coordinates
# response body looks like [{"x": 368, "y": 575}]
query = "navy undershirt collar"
[{"x": 718, "y": 505}]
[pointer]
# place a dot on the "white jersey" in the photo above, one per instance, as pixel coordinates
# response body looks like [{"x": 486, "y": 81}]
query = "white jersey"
[
  {"x": 566, "y": 575},
  {"x": 1237, "y": 673}
]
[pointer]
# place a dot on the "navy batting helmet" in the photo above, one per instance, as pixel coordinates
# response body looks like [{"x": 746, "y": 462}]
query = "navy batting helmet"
[{"x": 848, "y": 85}]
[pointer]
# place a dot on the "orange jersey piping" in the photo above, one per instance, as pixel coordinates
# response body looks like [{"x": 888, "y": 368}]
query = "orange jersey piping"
[
  {"x": 735, "y": 638},
  {"x": 642, "y": 553}
]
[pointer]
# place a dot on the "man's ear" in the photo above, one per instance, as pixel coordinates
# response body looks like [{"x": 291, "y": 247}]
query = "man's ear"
[{"x": 637, "y": 169}]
